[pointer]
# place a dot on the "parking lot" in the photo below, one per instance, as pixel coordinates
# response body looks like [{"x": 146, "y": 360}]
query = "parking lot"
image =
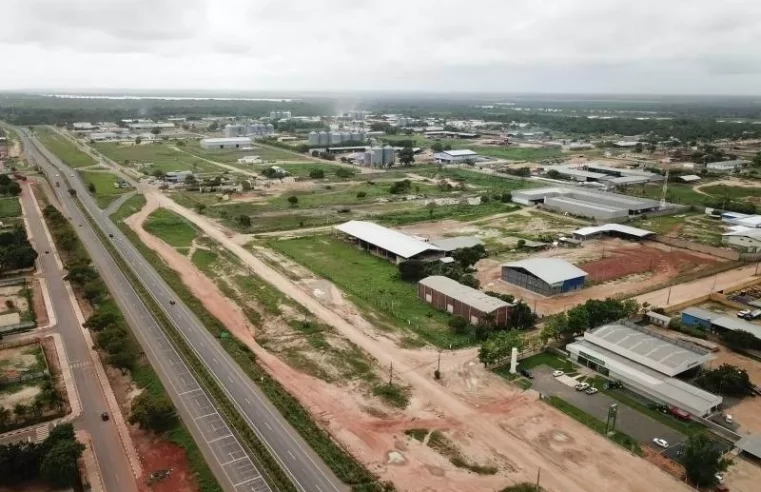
[{"x": 629, "y": 421}]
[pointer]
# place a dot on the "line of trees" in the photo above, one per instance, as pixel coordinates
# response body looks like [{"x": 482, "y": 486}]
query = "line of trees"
[
  {"x": 565, "y": 326},
  {"x": 16, "y": 251},
  {"x": 726, "y": 380},
  {"x": 9, "y": 187},
  {"x": 54, "y": 460}
]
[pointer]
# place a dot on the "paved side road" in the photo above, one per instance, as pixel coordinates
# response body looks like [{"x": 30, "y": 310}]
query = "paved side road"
[
  {"x": 231, "y": 463},
  {"x": 629, "y": 421}
]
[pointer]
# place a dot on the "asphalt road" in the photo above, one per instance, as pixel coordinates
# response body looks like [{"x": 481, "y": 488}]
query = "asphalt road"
[{"x": 303, "y": 466}]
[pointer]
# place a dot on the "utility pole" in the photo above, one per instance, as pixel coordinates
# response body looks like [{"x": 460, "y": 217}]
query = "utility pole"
[
  {"x": 668, "y": 298},
  {"x": 538, "y": 473},
  {"x": 391, "y": 374},
  {"x": 438, "y": 363},
  {"x": 757, "y": 263}
]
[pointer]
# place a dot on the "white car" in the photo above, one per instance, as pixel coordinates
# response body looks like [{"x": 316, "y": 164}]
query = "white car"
[
  {"x": 582, "y": 386},
  {"x": 557, "y": 374},
  {"x": 729, "y": 419},
  {"x": 591, "y": 391},
  {"x": 743, "y": 313},
  {"x": 660, "y": 442}
]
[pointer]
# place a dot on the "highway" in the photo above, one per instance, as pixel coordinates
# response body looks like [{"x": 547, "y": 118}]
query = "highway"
[
  {"x": 223, "y": 452},
  {"x": 105, "y": 439}
]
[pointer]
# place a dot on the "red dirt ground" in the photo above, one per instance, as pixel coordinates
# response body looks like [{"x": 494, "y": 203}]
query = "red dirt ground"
[
  {"x": 620, "y": 262},
  {"x": 160, "y": 454},
  {"x": 40, "y": 310}
]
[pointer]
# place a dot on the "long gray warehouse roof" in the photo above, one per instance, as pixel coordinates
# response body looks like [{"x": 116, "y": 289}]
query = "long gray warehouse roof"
[
  {"x": 610, "y": 199},
  {"x": 750, "y": 444},
  {"x": 467, "y": 295},
  {"x": 736, "y": 324},
  {"x": 394, "y": 241},
  {"x": 683, "y": 395},
  {"x": 453, "y": 243},
  {"x": 551, "y": 270},
  {"x": 662, "y": 354},
  {"x": 565, "y": 200},
  {"x": 622, "y": 228}
]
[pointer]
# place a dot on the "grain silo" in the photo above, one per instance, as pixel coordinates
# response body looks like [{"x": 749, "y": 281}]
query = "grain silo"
[
  {"x": 335, "y": 138},
  {"x": 377, "y": 156},
  {"x": 269, "y": 129},
  {"x": 388, "y": 155},
  {"x": 345, "y": 137},
  {"x": 368, "y": 158},
  {"x": 231, "y": 131},
  {"x": 323, "y": 139},
  {"x": 356, "y": 137},
  {"x": 314, "y": 139}
]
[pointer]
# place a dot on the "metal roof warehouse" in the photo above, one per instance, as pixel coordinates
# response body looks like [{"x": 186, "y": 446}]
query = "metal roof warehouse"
[
  {"x": 387, "y": 243},
  {"x": 547, "y": 276},
  {"x": 461, "y": 300},
  {"x": 612, "y": 229}
]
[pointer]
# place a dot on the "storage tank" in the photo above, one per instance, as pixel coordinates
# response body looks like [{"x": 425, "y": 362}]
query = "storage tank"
[
  {"x": 314, "y": 139},
  {"x": 377, "y": 156},
  {"x": 323, "y": 139},
  {"x": 388, "y": 155},
  {"x": 356, "y": 137},
  {"x": 269, "y": 128},
  {"x": 335, "y": 138},
  {"x": 368, "y": 158},
  {"x": 230, "y": 131}
]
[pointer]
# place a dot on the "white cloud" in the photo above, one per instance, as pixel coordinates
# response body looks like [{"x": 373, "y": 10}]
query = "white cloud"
[{"x": 675, "y": 46}]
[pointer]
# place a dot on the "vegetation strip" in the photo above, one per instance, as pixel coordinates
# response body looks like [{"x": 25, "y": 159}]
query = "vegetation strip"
[{"x": 345, "y": 466}]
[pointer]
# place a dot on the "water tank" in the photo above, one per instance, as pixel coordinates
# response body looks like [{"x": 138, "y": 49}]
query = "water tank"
[
  {"x": 314, "y": 139},
  {"x": 335, "y": 138},
  {"x": 356, "y": 137},
  {"x": 230, "y": 131},
  {"x": 388, "y": 155},
  {"x": 368, "y": 158},
  {"x": 377, "y": 156},
  {"x": 323, "y": 139}
]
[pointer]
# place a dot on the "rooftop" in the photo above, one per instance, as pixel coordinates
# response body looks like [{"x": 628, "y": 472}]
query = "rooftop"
[
  {"x": 453, "y": 243},
  {"x": 690, "y": 177},
  {"x": 586, "y": 196},
  {"x": 624, "y": 180},
  {"x": 649, "y": 348},
  {"x": 701, "y": 313},
  {"x": 736, "y": 324},
  {"x": 551, "y": 270},
  {"x": 394, "y": 241},
  {"x": 459, "y": 153},
  {"x": 751, "y": 232},
  {"x": 570, "y": 171},
  {"x": 691, "y": 397},
  {"x": 472, "y": 297},
  {"x": 222, "y": 140},
  {"x": 750, "y": 444},
  {"x": 624, "y": 229}
]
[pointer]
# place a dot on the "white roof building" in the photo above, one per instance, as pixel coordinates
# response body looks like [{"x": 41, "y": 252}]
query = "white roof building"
[
  {"x": 382, "y": 240},
  {"x": 586, "y": 232},
  {"x": 468, "y": 295},
  {"x": 550, "y": 270},
  {"x": 451, "y": 156},
  {"x": 226, "y": 143}
]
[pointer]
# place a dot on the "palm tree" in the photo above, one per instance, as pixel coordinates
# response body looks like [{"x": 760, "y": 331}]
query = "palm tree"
[
  {"x": 20, "y": 411},
  {"x": 5, "y": 417}
]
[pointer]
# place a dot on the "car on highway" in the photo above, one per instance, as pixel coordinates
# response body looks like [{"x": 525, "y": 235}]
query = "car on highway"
[
  {"x": 104, "y": 416},
  {"x": 110, "y": 235},
  {"x": 526, "y": 374},
  {"x": 557, "y": 374},
  {"x": 660, "y": 442},
  {"x": 591, "y": 391},
  {"x": 171, "y": 302},
  {"x": 582, "y": 387}
]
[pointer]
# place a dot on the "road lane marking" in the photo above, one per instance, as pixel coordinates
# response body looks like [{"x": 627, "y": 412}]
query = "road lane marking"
[{"x": 291, "y": 455}]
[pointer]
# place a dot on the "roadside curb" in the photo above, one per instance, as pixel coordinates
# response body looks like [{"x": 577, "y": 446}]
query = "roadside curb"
[{"x": 92, "y": 467}]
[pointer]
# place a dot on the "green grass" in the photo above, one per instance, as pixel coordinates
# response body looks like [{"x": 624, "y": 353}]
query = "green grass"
[
  {"x": 441, "y": 212},
  {"x": 133, "y": 205},
  {"x": 231, "y": 156},
  {"x": 170, "y": 228},
  {"x": 445, "y": 447},
  {"x": 203, "y": 259},
  {"x": 63, "y": 148},
  {"x": 374, "y": 285},
  {"x": 737, "y": 192},
  {"x": 10, "y": 207},
  {"x": 594, "y": 424},
  {"x": 546, "y": 359},
  {"x": 105, "y": 191},
  {"x": 393, "y": 394},
  {"x": 492, "y": 184},
  {"x": 160, "y": 156}
]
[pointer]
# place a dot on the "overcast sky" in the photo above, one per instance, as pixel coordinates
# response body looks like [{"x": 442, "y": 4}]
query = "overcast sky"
[{"x": 592, "y": 46}]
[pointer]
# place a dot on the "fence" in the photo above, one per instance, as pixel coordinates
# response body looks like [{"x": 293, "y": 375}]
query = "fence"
[
  {"x": 725, "y": 253},
  {"x": 17, "y": 328},
  {"x": 4, "y": 282}
]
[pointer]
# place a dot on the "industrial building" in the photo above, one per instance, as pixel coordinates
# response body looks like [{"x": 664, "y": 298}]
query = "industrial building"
[
  {"x": 612, "y": 176},
  {"x": 647, "y": 362},
  {"x": 226, "y": 143},
  {"x": 280, "y": 115},
  {"x": 83, "y": 125},
  {"x": 746, "y": 239},
  {"x": 149, "y": 125},
  {"x": 388, "y": 243},
  {"x": 546, "y": 276},
  {"x": 726, "y": 166},
  {"x": 454, "y": 156},
  {"x": 254, "y": 130},
  {"x": 460, "y": 300},
  {"x": 378, "y": 156},
  {"x": 689, "y": 178},
  {"x": 586, "y": 203},
  {"x": 717, "y": 323},
  {"x": 614, "y": 230},
  {"x": 744, "y": 220},
  {"x": 576, "y": 174},
  {"x": 327, "y": 139}
]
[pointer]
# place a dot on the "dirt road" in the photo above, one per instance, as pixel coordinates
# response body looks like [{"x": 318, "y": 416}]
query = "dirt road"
[{"x": 521, "y": 429}]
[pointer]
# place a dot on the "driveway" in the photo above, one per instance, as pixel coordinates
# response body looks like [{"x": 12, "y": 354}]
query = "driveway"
[{"x": 629, "y": 421}]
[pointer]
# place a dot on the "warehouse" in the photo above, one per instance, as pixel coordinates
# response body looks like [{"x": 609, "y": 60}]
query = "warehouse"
[
  {"x": 614, "y": 230},
  {"x": 451, "y": 244},
  {"x": 575, "y": 174},
  {"x": 586, "y": 203},
  {"x": 624, "y": 181},
  {"x": 618, "y": 172},
  {"x": 226, "y": 143},
  {"x": 646, "y": 363},
  {"x": 746, "y": 239},
  {"x": 726, "y": 166},
  {"x": 454, "y": 156},
  {"x": 460, "y": 300},
  {"x": 388, "y": 243},
  {"x": 546, "y": 276},
  {"x": 717, "y": 323}
]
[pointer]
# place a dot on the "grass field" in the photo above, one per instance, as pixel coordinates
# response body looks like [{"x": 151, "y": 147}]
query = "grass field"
[
  {"x": 10, "y": 207},
  {"x": 373, "y": 284},
  {"x": 170, "y": 228},
  {"x": 160, "y": 156},
  {"x": 231, "y": 156},
  {"x": 737, "y": 192},
  {"x": 131, "y": 206},
  {"x": 105, "y": 191},
  {"x": 303, "y": 170},
  {"x": 63, "y": 148},
  {"x": 485, "y": 182},
  {"x": 517, "y": 153}
]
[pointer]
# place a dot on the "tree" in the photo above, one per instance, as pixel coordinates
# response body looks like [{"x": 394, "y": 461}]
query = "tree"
[
  {"x": 458, "y": 324},
  {"x": 437, "y": 147},
  {"x": 316, "y": 174},
  {"x": 200, "y": 207},
  {"x": 91, "y": 188},
  {"x": 726, "y": 380},
  {"x": 484, "y": 199},
  {"x": 5, "y": 418},
  {"x": 155, "y": 130},
  {"x": 20, "y": 411},
  {"x": 739, "y": 340},
  {"x": 138, "y": 140},
  {"x": 406, "y": 156},
  {"x": 190, "y": 180},
  {"x": 467, "y": 257},
  {"x": 293, "y": 200},
  {"x": 244, "y": 220},
  {"x": 413, "y": 270},
  {"x": 639, "y": 148},
  {"x": 553, "y": 174},
  {"x": 499, "y": 346},
  {"x": 756, "y": 159},
  {"x": 361, "y": 194},
  {"x": 521, "y": 316},
  {"x": 555, "y": 328},
  {"x": 702, "y": 460},
  {"x": 578, "y": 320},
  {"x": 470, "y": 281},
  {"x": 402, "y": 187},
  {"x": 59, "y": 466},
  {"x": 153, "y": 412},
  {"x": 520, "y": 244},
  {"x": 344, "y": 172}
]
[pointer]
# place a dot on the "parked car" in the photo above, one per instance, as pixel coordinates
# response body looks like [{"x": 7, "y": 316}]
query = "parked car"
[
  {"x": 719, "y": 477},
  {"x": 582, "y": 386},
  {"x": 729, "y": 419},
  {"x": 557, "y": 374},
  {"x": 659, "y": 441},
  {"x": 591, "y": 391},
  {"x": 526, "y": 374},
  {"x": 743, "y": 313}
]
